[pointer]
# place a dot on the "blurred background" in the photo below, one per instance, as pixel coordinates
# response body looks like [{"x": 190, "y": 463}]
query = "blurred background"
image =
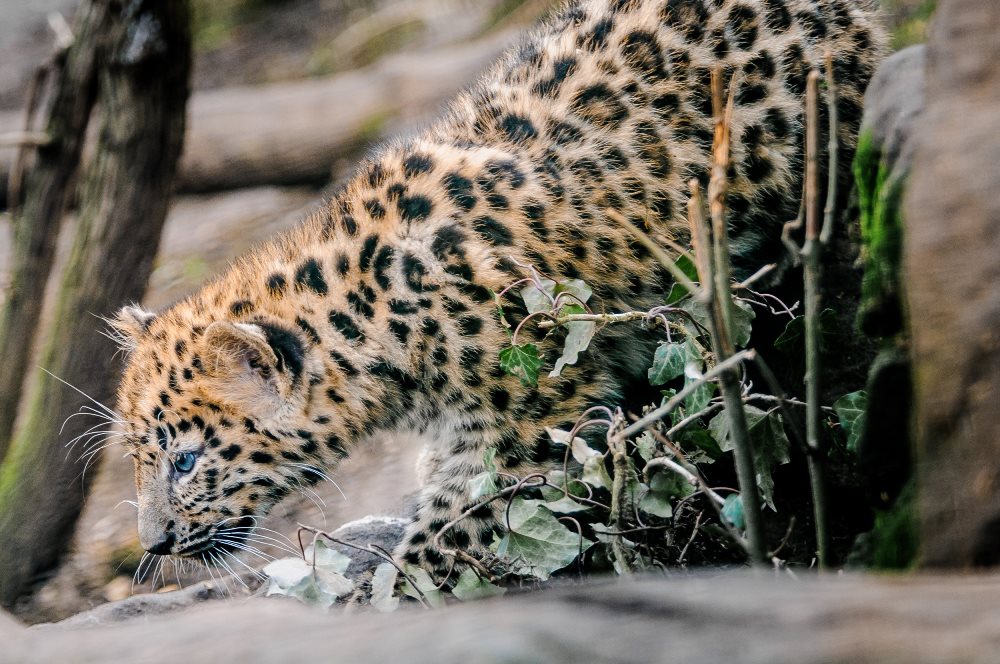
[{"x": 287, "y": 96}]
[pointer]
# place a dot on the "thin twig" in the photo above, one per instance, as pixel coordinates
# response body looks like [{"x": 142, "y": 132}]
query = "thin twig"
[
  {"x": 656, "y": 415},
  {"x": 832, "y": 153},
  {"x": 29, "y": 139},
  {"x": 664, "y": 259},
  {"x": 457, "y": 553},
  {"x": 369, "y": 548},
  {"x": 717, "y": 272},
  {"x": 694, "y": 533},
  {"x": 703, "y": 487},
  {"x": 811, "y": 252}
]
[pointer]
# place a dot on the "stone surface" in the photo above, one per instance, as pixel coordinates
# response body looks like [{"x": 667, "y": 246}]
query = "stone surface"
[
  {"x": 739, "y": 617},
  {"x": 952, "y": 271}
]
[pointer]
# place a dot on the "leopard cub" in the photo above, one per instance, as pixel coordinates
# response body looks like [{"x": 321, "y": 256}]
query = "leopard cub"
[{"x": 376, "y": 314}]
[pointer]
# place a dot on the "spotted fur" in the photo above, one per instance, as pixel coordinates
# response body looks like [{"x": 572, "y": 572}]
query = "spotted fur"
[{"x": 376, "y": 314}]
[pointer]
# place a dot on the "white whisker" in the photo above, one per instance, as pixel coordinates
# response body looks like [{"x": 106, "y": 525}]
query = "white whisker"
[{"x": 82, "y": 393}]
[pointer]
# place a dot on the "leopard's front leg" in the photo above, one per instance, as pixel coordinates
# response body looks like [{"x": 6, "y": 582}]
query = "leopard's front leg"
[{"x": 446, "y": 499}]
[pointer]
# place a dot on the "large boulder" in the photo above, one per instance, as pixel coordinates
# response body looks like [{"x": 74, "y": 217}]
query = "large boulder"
[{"x": 951, "y": 263}]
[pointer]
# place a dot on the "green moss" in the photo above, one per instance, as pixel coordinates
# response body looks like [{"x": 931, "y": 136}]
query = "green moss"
[
  {"x": 913, "y": 22},
  {"x": 123, "y": 561},
  {"x": 328, "y": 59},
  {"x": 214, "y": 21},
  {"x": 894, "y": 539},
  {"x": 372, "y": 128},
  {"x": 880, "y": 194}
]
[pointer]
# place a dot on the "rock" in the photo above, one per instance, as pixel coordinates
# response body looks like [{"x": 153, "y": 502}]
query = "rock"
[
  {"x": 951, "y": 267},
  {"x": 382, "y": 531},
  {"x": 152, "y": 604},
  {"x": 894, "y": 103},
  {"x": 735, "y": 617}
]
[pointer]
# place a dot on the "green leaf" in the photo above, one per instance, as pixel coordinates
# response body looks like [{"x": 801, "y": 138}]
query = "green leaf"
[
  {"x": 535, "y": 299},
  {"x": 326, "y": 557},
  {"x": 522, "y": 361},
  {"x": 850, "y": 410},
  {"x": 425, "y": 583},
  {"x": 578, "y": 336},
  {"x": 671, "y": 484},
  {"x": 694, "y": 366},
  {"x": 383, "y": 586},
  {"x": 594, "y": 472},
  {"x": 668, "y": 363},
  {"x": 767, "y": 438},
  {"x": 538, "y": 544},
  {"x": 657, "y": 505},
  {"x": 665, "y": 487},
  {"x": 677, "y": 291},
  {"x": 576, "y": 287},
  {"x": 483, "y": 484},
  {"x": 558, "y": 479},
  {"x": 317, "y": 586},
  {"x": 732, "y": 511},
  {"x": 471, "y": 587},
  {"x": 645, "y": 445},
  {"x": 565, "y": 505},
  {"x": 743, "y": 315},
  {"x": 792, "y": 339},
  {"x": 694, "y": 441}
]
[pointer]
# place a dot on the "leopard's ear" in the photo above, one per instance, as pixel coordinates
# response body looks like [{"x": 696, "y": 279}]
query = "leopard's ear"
[
  {"x": 242, "y": 367},
  {"x": 128, "y": 325}
]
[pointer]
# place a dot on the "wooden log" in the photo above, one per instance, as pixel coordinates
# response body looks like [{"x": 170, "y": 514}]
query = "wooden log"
[{"x": 296, "y": 132}]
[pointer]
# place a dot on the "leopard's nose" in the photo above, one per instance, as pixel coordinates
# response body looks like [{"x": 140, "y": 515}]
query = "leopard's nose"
[{"x": 162, "y": 545}]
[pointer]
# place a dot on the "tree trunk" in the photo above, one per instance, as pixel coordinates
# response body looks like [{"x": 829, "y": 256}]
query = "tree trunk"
[
  {"x": 36, "y": 224},
  {"x": 951, "y": 262},
  {"x": 143, "y": 88}
]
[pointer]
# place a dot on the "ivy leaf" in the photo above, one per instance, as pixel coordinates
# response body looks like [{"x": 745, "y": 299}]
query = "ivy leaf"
[
  {"x": 665, "y": 487},
  {"x": 535, "y": 299},
  {"x": 645, "y": 445},
  {"x": 694, "y": 366},
  {"x": 537, "y": 543},
  {"x": 850, "y": 410},
  {"x": 700, "y": 446},
  {"x": 425, "y": 583},
  {"x": 668, "y": 363},
  {"x": 732, "y": 511},
  {"x": 578, "y": 336},
  {"x": 578, "y": 288},
  {"x": 471, "y": 587},
  {"x": 792, "y": 340},
  {"x": 741, "y": 314},
  {"x": 285, "y": 573},
  {"x": 317, "y": 586},
  {"x": 326, "y": 557},
  {"x": 768, "y": 439},
  {"x": 383, "y": 585},
  {"x": 565, "y": 505},
  {"x": 522, "y": 361},
  {"x": 677, "y": 291},
  {"x": 483, "y": 484},
  {"x": 742, "y": 317},
  {"x": 594, "y": 472}
]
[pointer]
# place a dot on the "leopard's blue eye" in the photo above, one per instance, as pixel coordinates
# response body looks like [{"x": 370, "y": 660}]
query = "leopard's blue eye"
[{"x": 184, "y": 462}]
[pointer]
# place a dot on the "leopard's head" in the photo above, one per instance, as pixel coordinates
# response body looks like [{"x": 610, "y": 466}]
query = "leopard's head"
[{"x": 216, "y": 418}]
